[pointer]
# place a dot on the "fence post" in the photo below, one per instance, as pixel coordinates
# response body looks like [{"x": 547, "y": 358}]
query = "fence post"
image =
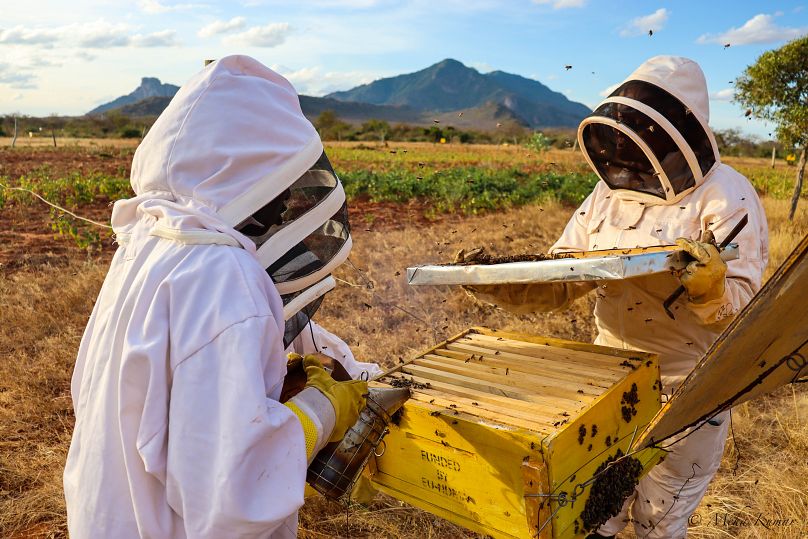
[
  {"x": 774, "y": 153},
  {"x": 14, "y": 138}
]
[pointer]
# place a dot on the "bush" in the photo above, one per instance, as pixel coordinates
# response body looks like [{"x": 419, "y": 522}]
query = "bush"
[
  {"x": 130, "y": 132},
  {"x": 539, "y": 142}
]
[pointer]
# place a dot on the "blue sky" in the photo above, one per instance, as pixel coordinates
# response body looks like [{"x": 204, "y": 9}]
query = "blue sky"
[{"x": 67, "y": 57}]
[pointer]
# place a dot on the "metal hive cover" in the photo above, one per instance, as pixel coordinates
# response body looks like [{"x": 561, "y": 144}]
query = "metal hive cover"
[{"x": 569, "y": 267}]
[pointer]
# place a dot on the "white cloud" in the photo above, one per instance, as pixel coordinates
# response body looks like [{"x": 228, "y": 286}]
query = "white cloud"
[
  {"x": 759, "y": 29},
  {"x": 16, "y": 97},
  {"x": 562, "y": 4},
  {"x": 640, "y": 25},
  {"x": 16, "y": 77},
  {"x": 164, "y": 38},
  {"x": 222, "y": 27},
  {"x": 607, "y": 91},
  {"x": 314, "y": 81},
  {"x": 20, "y": 35},
  {"x": 482, "y": 67},
  {"x": 723, "y": 95},
  {"x": 92, "y": 35},
  {"x": 270, "y": 35},
  {"x": 153, "y": 7}
]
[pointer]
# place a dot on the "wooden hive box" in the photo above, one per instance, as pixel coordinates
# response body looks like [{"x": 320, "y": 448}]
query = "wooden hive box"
[{"x": 498, "y": 420}]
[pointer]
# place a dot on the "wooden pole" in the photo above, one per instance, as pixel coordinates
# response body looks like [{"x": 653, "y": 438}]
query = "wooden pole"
[
  {"x": 53, "y": 136},
  {"x": 774, "y": 154},
  {"x": 798, "y": 184},
  {"x": 14, "y": 138}
]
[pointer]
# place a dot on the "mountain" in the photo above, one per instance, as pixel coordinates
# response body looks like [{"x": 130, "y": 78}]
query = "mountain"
[
  {"x": 149, "y": 87},
  {"x": 451, "y": 86},
  {"x": 447, "y": 92},
  {"x": 354, "y": 112},
  {"x": 151, "y": 106}
]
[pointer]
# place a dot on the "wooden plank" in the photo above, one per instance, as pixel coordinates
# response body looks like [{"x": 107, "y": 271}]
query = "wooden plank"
[
  {"x": 539, "y": 385},
  {"x": 580, "y": 357},
  {"x": 557, "y": 343},
  {"x": 516, "y": 364},
  {"x": 607, "y": 376},
  {"x": 493, "y": 365},
  {"x": 482, "y": 409},
  {"x": 504, "y": 403},
  {"x": 764, "y": 347},
  {"x": 488, "y": 386}
]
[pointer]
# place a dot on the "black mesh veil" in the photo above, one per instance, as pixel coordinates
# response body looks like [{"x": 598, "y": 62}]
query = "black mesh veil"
[
  {"x": 299, "y": 320},
  {"x": 620, "y": 162},
  {"x": 301, "y": 237},
  {"x": 643, "y": 139},
  {"x": 315, "y": 251},
  {"x": 676, "y": 113}
]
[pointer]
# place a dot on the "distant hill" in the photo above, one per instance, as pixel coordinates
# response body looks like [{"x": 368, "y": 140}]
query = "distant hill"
[
  {"x": 149, "y": 87},
  {"x": 451, "y": 86},
  {"x": 151, "y": 106},
  {"x": 448, "y": 92},
  {"x": 354, "y": 112}
]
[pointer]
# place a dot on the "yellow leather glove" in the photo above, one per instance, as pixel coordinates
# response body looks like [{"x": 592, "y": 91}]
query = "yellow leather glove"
[
  {"x": 347, "y": 398},
  {"x": 704, "y": 278}
]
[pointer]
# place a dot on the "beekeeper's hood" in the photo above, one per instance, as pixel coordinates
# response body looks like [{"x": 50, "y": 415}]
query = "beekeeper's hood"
[
  {"x": 232, "y": 140},
  {"x": 649, "y": 140}
]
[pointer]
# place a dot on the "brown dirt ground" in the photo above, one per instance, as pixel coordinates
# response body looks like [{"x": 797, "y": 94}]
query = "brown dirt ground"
[
  {"x": 27, "y": 239},
  {"x": 15, "y": 162}
]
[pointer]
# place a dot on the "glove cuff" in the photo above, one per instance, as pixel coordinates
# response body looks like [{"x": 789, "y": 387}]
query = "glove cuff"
[{"x": 316, "y": 415}]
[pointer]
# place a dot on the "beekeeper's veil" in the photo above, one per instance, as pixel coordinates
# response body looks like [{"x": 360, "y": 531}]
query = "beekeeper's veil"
[
  {"x": 233, "y": 160},
  {"x": 309, "y": 239},
  {"x": 649, "y": 140}
]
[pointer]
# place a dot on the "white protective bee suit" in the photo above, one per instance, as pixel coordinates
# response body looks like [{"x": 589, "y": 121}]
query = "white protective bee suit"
[
  {"x": 662, "y": 179},
  {"x": 178, "y": 429}
]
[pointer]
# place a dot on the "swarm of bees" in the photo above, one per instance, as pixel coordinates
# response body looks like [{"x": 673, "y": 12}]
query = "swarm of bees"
[{"x": 615, "y": 480}]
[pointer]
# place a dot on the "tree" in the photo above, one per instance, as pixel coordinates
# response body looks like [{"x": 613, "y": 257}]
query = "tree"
[
  {"x": 775, "y": 88},
  {"x": 377, "y": 128},
  {"x": 330, "y": 126}
]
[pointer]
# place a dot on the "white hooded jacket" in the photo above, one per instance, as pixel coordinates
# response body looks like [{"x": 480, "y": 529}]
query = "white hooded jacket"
[
  {"x": 178, "y": 431},
  {"x": 629, "y": 313}
]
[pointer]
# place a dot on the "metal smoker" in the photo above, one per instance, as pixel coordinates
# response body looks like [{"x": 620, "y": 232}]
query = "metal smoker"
[{"x": 338, "y": 465}]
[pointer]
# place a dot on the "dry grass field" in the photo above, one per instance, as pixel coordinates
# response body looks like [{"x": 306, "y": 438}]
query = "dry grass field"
[{"x": 45, "y": 302}]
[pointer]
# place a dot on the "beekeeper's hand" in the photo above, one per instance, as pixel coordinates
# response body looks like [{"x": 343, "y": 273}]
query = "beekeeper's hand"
[
  {"x": 347, "y": 398},
  {"x": 326, "y": 408},
  {"x": 523, "y": 298},
  {"x": 704, "y": 278}
]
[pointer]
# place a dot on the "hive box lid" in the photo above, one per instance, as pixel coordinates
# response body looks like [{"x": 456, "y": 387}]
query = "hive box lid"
[{"x": 613, "y": 264}]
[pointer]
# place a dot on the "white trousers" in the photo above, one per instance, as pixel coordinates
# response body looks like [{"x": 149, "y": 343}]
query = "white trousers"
[{"x": 666, "y": 497}]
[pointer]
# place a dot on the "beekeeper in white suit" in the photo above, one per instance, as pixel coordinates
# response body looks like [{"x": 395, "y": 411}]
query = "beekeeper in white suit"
[
  {"x": 178, "y": 429},
  {"x": 662, "y": 182}
]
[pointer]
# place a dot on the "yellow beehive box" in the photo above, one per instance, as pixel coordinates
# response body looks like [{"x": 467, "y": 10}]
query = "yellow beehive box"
[{"x": 504, "y": 432}]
